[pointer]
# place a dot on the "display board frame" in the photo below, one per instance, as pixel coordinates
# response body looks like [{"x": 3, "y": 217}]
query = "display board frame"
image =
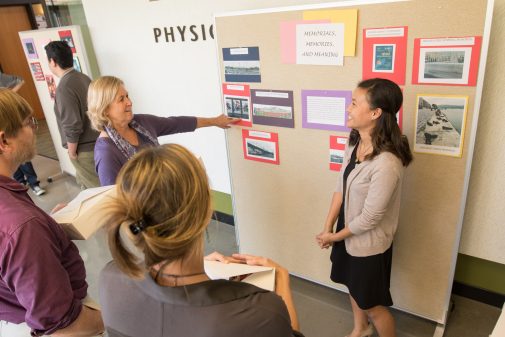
[{"x": 279, "y": 210}]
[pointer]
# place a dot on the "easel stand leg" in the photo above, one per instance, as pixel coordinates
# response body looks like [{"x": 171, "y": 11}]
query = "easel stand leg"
[{"x": 59, "y": 175}]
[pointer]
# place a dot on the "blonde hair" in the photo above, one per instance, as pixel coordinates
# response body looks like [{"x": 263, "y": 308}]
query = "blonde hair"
[
  {"x": 101, "y": 93},
  {"x": 14, "y": 109},
  {"x": 166, "y": 187}
]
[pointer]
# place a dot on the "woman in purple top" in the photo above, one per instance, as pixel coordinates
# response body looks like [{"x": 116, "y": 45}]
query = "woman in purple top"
[{"x": 122, "y": 134}]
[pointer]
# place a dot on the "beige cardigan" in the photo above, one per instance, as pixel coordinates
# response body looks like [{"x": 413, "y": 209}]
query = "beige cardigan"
[{"x": 372, "y": 202}]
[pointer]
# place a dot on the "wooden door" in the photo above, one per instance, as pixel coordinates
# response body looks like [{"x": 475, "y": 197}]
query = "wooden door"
[{"x": 14, "y": 19}]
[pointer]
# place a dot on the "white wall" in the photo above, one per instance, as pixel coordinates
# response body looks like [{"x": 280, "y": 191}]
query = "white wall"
[
  {"x": 169, "y": 79},
  {"x": 484, "y": 224}
]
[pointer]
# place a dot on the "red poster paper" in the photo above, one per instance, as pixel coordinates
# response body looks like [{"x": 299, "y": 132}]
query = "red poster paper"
[
  {"x": 38, "y": 74},
  {"x": 237, "y": 102},
  {"x": 66, "y": 35},
  {"x": 337, "y": 148},
  {"x": 446, "y": 61},
  {"x": 51, "y": 85},
  {"x": 261, "y": 146},
  {"x": 385, "y": 53}
]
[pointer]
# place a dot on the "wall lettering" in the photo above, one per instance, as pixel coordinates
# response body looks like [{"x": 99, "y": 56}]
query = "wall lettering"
[{"x": 192, "y": 33}]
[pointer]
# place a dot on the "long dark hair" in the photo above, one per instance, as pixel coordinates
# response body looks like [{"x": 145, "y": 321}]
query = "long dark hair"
[{"x": 386, "y": 136}]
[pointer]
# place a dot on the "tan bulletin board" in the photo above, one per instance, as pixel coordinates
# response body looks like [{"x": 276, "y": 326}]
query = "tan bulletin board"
[{"x": 280, "y": 208}]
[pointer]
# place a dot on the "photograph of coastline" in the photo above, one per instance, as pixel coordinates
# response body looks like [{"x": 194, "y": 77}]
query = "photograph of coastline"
[
  {"x": 261, "y": 149},
  {"x": 241, "y": 64},
  {"x": 274, "y": 111},
  {"x": 336, "y": 156},
  {"x": 442, "y": 65},
  {"x": 440, "y": 124},
  {"x": 242, "y": 68},
  {"x": 261, "y": 146}
]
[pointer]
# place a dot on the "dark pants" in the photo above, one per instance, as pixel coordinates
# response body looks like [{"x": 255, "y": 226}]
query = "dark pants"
[{"x": 26, "y": 174}]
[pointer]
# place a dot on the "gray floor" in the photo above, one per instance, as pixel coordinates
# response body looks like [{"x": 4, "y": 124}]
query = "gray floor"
[
  {"x": 45, "y": 146},
  {"x": 323, "y": 312}
]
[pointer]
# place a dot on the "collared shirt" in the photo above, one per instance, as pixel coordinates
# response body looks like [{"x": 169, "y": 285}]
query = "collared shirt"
[
  {"x": 42, "y": 276},
  {"x": 67, "y": 71}
]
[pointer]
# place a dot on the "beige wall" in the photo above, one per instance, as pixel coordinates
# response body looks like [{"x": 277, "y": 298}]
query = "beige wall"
[{"x": 484, "y": 223}]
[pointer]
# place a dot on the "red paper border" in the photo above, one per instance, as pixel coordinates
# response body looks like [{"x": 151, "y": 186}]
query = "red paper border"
[
  {"x": 274, "y": 137},
  {"x": 334, "y": 145},
  {"x": 398, "y": 76},
  {"x": 474, "y": 61},
  {"x": 38, "y": 73},
  {"x": 242, "y": 93},
  {"x": 66, "y": 34}
]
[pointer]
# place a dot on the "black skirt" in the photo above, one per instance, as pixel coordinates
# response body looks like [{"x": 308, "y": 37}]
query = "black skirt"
[{"x": 367, "y": 278}]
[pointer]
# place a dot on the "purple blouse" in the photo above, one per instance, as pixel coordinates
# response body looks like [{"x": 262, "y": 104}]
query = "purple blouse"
[
  {"x": 42, "y": 276},
  {"x": 109, "y": 159}
]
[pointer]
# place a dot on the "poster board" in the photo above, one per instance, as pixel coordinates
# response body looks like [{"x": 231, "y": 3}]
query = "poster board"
[
  {"x": 280, "y": 208},
  {"x": 33, "y": 42}
]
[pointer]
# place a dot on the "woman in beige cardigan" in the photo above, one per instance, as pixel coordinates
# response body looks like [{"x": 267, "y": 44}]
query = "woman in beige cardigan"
[{"x": 366, "y": 203}]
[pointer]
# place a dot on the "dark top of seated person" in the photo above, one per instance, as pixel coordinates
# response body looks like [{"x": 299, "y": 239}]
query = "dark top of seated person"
[{"x": 156, "y": 285}]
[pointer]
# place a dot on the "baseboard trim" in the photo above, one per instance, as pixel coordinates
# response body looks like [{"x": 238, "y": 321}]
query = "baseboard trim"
[
  {"x": 478, "y": 294},
  {"x": 223, "y": 217}
]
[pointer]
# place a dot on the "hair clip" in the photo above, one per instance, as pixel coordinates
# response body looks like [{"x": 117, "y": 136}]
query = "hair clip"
[{"x": 137, "y": 226}]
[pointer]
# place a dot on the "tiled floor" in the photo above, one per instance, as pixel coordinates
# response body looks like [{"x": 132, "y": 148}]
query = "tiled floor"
[{"x": 323, "y": 312}]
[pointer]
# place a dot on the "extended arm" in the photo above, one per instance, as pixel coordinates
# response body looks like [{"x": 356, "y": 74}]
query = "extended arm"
[{"x": 221, "y": 121}]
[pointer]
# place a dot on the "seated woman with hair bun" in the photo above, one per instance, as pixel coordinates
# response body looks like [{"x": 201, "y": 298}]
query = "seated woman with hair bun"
[{"x": 156, "y": 285}]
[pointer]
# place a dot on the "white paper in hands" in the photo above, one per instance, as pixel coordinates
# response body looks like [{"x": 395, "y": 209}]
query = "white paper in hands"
[
  {"x": 81, "y": 217},
  {"x": 68, "y": 213},
  {"x": 262, "y": 277}
]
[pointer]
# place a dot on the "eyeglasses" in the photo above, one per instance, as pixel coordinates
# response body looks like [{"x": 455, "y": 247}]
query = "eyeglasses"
[{"x": 32, "y": 122}]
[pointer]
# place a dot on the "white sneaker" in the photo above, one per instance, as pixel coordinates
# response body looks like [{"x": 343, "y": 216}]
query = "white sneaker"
[{"x": 38, "y": 190}]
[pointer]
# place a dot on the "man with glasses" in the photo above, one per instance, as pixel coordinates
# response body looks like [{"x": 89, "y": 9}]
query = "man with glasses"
[
  {"x": 25, "y": 174},
  {"x": 42, "y": 277}
]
